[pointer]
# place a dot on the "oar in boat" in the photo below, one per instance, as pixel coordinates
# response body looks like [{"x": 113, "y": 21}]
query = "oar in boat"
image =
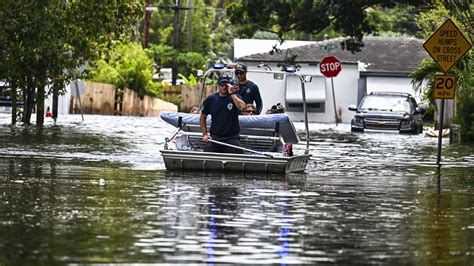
[{"x": 240, "y": 148}]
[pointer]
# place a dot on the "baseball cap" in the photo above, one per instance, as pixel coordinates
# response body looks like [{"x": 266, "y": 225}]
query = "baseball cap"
[
  {"x": 223, "y": 80},
  {"x": 240, "y": 67}
]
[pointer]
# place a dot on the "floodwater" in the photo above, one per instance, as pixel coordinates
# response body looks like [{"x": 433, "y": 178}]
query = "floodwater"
[{"x": 97, "y": 192}]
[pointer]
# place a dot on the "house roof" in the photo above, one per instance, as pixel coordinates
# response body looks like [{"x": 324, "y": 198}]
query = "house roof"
[
  {"x": 382, "y": 55},
  {"x": 245, "y": 47}
]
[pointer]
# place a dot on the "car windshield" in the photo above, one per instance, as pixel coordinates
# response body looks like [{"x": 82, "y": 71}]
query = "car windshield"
[{"x": 385, "y": 103}]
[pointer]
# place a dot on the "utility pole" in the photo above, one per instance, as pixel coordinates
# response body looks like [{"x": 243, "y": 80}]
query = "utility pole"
[
  {"x": 190, "y": 27},
  {"x": 174, "y": 73},
  {"x": 176, "y": 8},
  {"x": 146, "y": 25}
]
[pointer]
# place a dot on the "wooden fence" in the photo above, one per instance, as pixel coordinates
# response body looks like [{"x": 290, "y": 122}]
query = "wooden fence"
[
  {"x": 99, "y": 98},
  {"x": 190, "y": 96}
]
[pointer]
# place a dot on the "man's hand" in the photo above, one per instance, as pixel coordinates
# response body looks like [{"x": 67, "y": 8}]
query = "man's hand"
[
  {"x": 233, "y": 88},
  {"x": 205, "y": 138}
]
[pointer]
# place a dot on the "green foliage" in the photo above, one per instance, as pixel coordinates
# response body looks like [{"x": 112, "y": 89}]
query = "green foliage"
[
  {"x": 465, "y": 98},
  {"x": 127, "y": 65},
  {"x": 398, "y": 20},
  {"x": 223, "y": 33},
  {"x": 163, "y": 54},
  {"x": 188, "y": 62},
  {"x": 348, "y": 18},
  {"x": 194, "y": 25},
  {"x": 430, "y": 21},
  {"x": 203, "y": 29},
  {"x": 192, "y": 80},
  {"x": 45, "y": 42}
]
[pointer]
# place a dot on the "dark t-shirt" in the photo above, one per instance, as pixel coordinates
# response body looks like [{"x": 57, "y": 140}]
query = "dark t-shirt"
[
  {"x": 250, "y": 93},
  {"x": 224, "y": 113}
]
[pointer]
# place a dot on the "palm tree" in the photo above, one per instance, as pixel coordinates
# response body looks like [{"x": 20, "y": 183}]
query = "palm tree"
[{"x": 462, "y": 70}]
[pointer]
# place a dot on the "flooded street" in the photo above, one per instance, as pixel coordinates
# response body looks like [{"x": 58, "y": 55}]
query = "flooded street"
[{"x": 97, "y": 192}]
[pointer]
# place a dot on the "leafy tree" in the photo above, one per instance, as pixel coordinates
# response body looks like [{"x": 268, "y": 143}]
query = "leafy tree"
[
  {"x": 429, "y": 22},
  {"x": 223, "y": 34},
  {"x": 400, "y": 19},
  {"x": 44, "y": 42},
  {"x": 126, "y": 65},
  {"x": 163, "y": 54},
  {"x": 205, "y": 34},
  {"x": 191, "y": 80},
  {"x": 188, "y": 62},
  {"x": 348, "y": 18},
  {"x": 194, "y": 25}
]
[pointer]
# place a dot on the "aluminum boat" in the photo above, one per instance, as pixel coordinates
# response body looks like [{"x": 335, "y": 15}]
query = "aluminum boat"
[{"x": 264, "y": 139}]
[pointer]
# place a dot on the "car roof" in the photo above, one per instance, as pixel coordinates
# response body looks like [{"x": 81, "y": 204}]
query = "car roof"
[{"x": 390, "y": 93}]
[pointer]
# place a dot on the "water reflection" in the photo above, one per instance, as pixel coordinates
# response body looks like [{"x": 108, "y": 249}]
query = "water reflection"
[{"x": 232, "y": 220}]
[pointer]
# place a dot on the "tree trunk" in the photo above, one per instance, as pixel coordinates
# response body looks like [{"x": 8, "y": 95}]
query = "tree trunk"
[
  {"x": 55, "y": 103},
  {"x": 28, "y": 101},
  {"x": 40, "y": 105},
  {"x": 14, "y": 102}
]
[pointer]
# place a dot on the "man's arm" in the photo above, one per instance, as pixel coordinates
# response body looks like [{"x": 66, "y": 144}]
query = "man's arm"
[
  {"x": 258, "y": 100},
  {"x": 233, "y": 90},
  {"x": 203, "y": 126},
  {"x": 238, "y": 101}
]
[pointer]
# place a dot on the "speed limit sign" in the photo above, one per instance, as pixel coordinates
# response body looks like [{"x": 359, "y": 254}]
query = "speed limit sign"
[{"x": 444, "y": 86}]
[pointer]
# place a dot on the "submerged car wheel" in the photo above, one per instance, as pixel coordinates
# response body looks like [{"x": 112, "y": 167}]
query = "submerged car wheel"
[
  {"x": 420, "y": 129},
  {"x": 415, "y": 130},
  {"x": 353, "y": 129}
]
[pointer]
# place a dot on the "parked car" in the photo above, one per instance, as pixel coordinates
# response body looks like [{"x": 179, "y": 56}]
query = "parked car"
[{"x": 388, "y": 111}]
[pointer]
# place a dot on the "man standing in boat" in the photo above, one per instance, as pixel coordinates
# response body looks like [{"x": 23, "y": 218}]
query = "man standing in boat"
[
  {"x": 248, "y": 89},
  {"x": 224, "y": 107}
]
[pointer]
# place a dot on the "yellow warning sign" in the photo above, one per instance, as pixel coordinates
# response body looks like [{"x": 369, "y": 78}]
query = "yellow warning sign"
[
  {"x": 444, "y": 86},
  {"x": 447, "y": 45}
]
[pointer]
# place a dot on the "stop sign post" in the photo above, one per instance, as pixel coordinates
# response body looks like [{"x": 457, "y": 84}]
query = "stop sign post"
[{"x": 330, "y": 66}]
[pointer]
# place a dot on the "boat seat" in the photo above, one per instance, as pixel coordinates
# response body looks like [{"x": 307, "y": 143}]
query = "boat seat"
[
  {"x": 243, "y": 131},
  {"x": 257, "y": 144}
]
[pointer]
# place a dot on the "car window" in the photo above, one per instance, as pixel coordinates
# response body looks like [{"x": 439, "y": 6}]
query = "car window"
[{"x": 385, "y": 103}]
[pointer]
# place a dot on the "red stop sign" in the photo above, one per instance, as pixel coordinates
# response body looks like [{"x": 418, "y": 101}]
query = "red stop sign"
[{"x": 330, "y": 66}]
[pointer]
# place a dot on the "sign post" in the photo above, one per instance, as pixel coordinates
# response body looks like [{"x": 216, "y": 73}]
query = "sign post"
[
  {"x": 331, "y": 66},
  {"x": 447, "y": 45},
  {"x": 444, "y": 87}
]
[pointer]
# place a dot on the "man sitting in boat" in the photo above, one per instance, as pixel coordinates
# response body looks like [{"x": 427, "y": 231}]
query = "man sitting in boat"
[
  {"x": 224, "y": 107},
  {"x": 249, "y": 109},
  {"x": 248, "y": 89}
]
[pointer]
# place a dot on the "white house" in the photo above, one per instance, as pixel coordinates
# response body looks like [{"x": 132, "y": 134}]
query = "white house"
[{"x": 383, "y": 64}]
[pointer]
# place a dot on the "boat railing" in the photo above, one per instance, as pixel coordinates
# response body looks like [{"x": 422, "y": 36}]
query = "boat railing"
[{"x": 229, "y": 68}]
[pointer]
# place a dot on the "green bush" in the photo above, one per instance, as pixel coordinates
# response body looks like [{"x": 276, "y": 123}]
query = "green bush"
[
  {"x": 188, "y": 62},
  {"x": 126, "y": 65},
  {"x": 465, "y": 114}
]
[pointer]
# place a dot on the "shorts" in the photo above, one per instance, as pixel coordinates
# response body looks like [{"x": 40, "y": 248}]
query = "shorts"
[{"x": 214, "y": 147}]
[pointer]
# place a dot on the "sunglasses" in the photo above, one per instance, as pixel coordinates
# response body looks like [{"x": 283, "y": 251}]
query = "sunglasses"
[{"x": 239, "y": 73}]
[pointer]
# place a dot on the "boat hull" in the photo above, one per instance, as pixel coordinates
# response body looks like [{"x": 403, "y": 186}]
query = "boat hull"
[{"x": 209, "y": 161}]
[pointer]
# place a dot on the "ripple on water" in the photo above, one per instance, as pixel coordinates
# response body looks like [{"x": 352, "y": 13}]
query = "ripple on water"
[{"x": 372, "y": 198}]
